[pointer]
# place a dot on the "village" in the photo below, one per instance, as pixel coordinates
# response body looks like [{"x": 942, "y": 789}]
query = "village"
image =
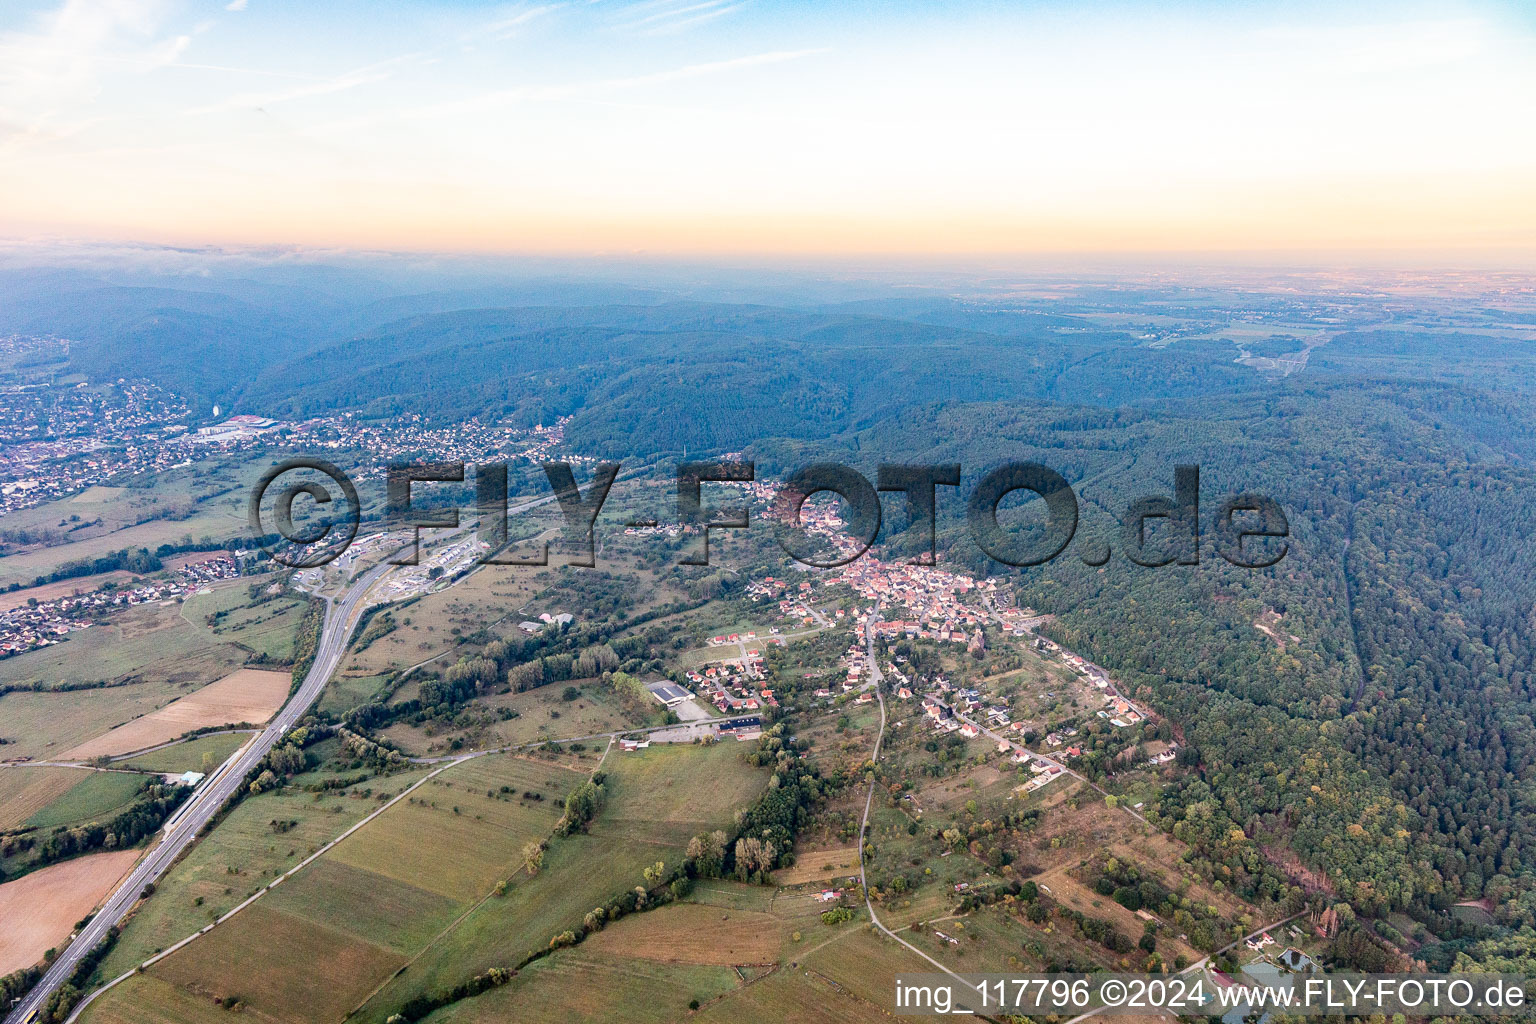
[{"x": 46, "y": 623}]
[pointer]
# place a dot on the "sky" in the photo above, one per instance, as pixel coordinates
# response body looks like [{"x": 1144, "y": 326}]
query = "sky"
[{"x": 745, "y": 126}]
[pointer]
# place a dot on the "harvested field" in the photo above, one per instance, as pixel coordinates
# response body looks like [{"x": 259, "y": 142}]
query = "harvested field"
[
  {"x": 248, "y": 695},
  {"x": 688, "y": 933},
  {"x": 42, "y": 908},
  {"x": 820, "y": 866}
]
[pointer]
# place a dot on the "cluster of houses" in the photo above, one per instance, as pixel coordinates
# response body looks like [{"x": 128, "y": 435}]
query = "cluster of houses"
[
  {"x": 732, "y": 688},
  {"x": 794, "y": 602},
  {"x": 931, "y": 595},
  {"x": 1118, "y": 710},
  {"x": 44, "y": 624},
  {"x": 947, "y": 717}
]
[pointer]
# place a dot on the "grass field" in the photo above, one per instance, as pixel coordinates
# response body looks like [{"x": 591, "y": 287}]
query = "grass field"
[
  {"x": 249, "y": 695},
  {"x": 670, "y": 793},
  {"x": 195, "y": 755},
  {"x": 265, "y": 628},
  {"x": 93, "y": 798},
  {"x": 793, "y": 994},
  {"x": 860, "y": 967},
  {"x": 692, "y": 933},
  {"x": 343, "y": 693},
  {"x": 24, "y": 567},
  {"x": 581, "y": 985},
  {"x": 542, "y": 714},
  {"x": 438, "y": 622},
  {"x": 302, "y": 973},
  {"x": 40, "y": 909},
  {"x": 174, "y": 498},
  {"x": 146, "y": 1000},
  {"x": 26, "y": 791},
  {"x": 245, "y": 852},
  {"x": 453, "y": 812},
  {"x": 150, "y": 642}
]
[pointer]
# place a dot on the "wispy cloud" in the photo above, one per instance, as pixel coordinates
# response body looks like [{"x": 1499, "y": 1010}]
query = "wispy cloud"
[
  {"x": 507, "y": 26},
  {"x": 320, "y": 85},
  {"x": 597, "y": 86},
  {"x": 52, "y": 70},
  {"x": 59, "y": 56},
  {"x": 655, "y": 17},
  {"x": 236, "y": 5},
  {"x": 260, "y": 100}
]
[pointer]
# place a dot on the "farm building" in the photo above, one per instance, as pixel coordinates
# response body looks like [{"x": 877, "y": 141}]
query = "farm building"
[{"x": 668, "y": 693}]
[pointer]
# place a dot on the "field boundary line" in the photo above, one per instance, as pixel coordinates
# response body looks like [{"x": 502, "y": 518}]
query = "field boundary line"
[
  {"x": 470, "y": 911},
  {"x": 259, "y": 893}
]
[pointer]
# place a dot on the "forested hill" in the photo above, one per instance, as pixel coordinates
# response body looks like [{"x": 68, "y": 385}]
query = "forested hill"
[
  {"x": 1389, "y": 747},
  {"x": 1378, "y": 739},
  {"x": 713, "y": 377},
  {"x": 1390, "y": 744}
]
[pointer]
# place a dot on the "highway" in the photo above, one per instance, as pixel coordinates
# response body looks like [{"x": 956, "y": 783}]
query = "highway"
[{"x": 182, "y": 829}]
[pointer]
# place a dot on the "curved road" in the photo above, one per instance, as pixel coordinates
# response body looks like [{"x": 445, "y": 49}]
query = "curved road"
[
  {"x": 877, "y": 680},
  {"x": 183, "y": 827}
]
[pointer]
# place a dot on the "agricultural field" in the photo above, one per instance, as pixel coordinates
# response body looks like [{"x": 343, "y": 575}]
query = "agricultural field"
[
  {"x": 148, "y": 641},
  {"x": 44, "y": 725},
  {"x": 263, "y": 837},
  {"x": 249, "y": 696},
  {"x": 656, "y": 799},
  {"x": 40, "y": 909},
  {"x": 340, "y": 927},
  {"x": 26, "y": 791},
  {"x": 94, "y": 798},
  {"x": 199, "y": 754}
]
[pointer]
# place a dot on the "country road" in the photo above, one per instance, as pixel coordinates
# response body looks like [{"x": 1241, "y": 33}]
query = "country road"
[
  {"x": 876, "y": 679},
  {"x": 182, "y": 829}
]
